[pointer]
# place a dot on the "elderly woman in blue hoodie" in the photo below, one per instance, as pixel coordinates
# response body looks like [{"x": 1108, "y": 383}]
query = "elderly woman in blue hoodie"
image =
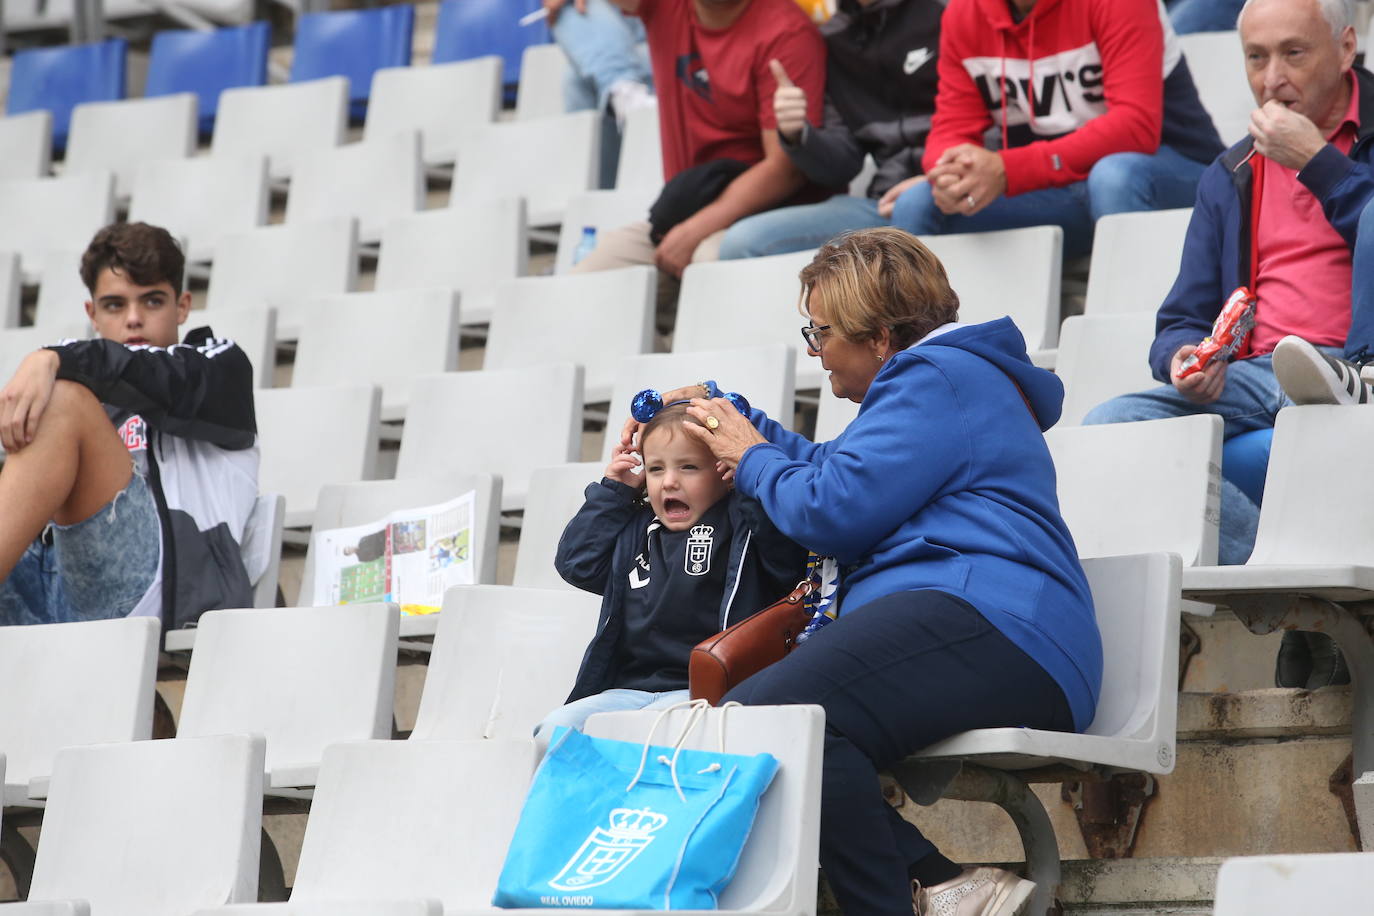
[{"x": 961, "y": 602}]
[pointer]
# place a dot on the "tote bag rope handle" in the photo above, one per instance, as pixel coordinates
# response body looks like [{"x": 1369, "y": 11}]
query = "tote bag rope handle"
[{"x": 698, "y": 708}]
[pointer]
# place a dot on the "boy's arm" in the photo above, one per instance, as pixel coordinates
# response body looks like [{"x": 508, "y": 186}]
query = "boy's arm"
[{"x": 586, "y": 551}]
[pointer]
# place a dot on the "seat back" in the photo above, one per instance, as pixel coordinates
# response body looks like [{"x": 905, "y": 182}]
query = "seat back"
[
  {"x": 62, "y": 294},
  {"x": 641, "y": 152},
  {"x": 754, "y": 300},
  {"x": 70, "y": 684},
  {"x": 511, "y": 159},
  {"x": 254, "y": 330},
  {"x": 378, "y": 797},
  {"x": 495, "y": 434},
  {"x": 441, "y": 101},
  {"x": 284, "y": 267},
  {"x": 601, "y": 211},
  {"x": 472, "y": 249},
  {"x": 17, "y": 343},
  {"x": 337, "y": 445},
  {"x": 1274, "y": 885},
  {"x": 261, "y": 547},
  {"x": 202, "y": 200},
  {"x": 503, "y": 659},
  {"x": 1309, "y": 489},
  {"x": 353, "y": 44},
  {"x": 1217, "y": 64},
  {"x": 1141, "y": 487},
  {"x": 281, "y": 122},
  {"x": 762, "y": 374},
  {"x": 25, "y": 145},
  {"x": 1135, "y": 260},
  {"x": 777, "y": 869},
  {"x": 184, "y": 817},
  {"x": 596, "y": 318},
  {"x": 58, "y": 79},
  {"x": 372, "y": 182},
  {"x": 1137, "y": 605},
  {"x": 120, "y": 136},
  {"x": 475, "y": 28},
  {"x": 833, "y": 415},
  {"x": 207, "y": 63},
  {"x": 1102, "y": 356},
  {"x": 556, "y": 493},
  {"x": 1024, "y": 285},
  {"x": 304, "y": 677},
  {"x": 11, "y": 288},
  {"x": 60, "y": 214},
  {"x": 351, "y": 504},
  {"x": 542, "y": 71}
]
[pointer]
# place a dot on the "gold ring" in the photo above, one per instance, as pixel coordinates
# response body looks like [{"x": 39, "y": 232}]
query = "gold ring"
[{"x": 712, "y": 423}]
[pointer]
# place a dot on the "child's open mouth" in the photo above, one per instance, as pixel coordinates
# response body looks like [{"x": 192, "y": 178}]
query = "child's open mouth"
[{"x": 675, "y": 509}]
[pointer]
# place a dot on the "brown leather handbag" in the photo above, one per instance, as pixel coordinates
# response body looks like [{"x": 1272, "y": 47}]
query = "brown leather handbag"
[{"x": 722, "y": 661}]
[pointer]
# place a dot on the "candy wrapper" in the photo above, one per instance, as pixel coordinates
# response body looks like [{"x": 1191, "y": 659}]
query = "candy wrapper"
[{"x": 1229, "y": 331}]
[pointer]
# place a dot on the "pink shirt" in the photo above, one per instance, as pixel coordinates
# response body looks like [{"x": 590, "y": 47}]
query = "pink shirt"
[{"x": 1302, "y": 279}]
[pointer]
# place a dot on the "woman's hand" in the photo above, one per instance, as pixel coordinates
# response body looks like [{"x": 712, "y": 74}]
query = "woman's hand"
[{"x": 733, "y": 434}]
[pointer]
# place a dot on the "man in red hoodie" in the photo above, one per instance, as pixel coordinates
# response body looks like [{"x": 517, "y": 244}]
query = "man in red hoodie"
[{"x": 1092, "y": 106}]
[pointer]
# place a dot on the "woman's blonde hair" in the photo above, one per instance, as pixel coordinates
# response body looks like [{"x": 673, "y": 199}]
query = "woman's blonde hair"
[{"x": 873, "y": 279}]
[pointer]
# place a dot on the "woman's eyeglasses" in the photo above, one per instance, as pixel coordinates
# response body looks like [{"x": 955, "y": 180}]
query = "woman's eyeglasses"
[{"x": 812, "y": 334}]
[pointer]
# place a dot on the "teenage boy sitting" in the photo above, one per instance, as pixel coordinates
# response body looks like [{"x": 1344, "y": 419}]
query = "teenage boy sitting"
[
  {"x": 671, "y": 573},
  {"x": 131, "y": 460}
]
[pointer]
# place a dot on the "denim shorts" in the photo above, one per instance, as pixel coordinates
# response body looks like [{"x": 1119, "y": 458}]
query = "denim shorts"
[{"x": 95, "y": 569}]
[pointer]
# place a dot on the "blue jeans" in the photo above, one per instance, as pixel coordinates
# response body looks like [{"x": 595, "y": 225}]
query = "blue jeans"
[
  {"x": 894, "y": 676},
  {"x": 1188, "y": 16},
  {"x": 93, "y": 570},
  {"x": 617, "y": 699},
  {"x": 798, "y": 228},
  {"x": 1120, "y": 183}
]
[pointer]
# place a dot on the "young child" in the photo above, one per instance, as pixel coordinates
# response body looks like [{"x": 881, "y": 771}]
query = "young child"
[{"x": 698, "y": 558}]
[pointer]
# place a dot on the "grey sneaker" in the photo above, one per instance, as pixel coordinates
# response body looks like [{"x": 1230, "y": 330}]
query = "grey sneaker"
[
  {"x": 976, "y": 892},
  {"x": 1309, "y": 376}
]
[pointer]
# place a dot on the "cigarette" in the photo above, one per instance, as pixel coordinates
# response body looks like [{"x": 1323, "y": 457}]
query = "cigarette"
[{"x": 532, "y": 18}]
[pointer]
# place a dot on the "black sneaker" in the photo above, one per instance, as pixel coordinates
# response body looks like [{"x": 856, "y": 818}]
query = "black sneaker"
[{"x": 1309, "y": 376}]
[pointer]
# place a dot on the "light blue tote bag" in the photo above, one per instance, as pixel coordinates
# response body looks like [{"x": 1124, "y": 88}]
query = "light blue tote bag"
[{"x": 620, "y": 825}]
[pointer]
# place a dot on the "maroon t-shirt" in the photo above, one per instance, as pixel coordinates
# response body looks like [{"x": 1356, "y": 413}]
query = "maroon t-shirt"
[{"x": 715, "y": 89}]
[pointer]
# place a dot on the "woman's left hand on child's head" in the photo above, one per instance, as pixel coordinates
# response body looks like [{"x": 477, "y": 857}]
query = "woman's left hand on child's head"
[{"x": 732, "y": 434}]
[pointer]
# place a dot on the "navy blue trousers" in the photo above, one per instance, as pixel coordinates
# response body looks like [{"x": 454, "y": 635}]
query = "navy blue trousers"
[{"x": 894, "y": 676}]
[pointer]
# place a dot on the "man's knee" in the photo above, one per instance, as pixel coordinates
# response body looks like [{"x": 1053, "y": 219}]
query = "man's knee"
[
  {"x": 1119, "y": 183},
  {"x": 915, "y": 211}
]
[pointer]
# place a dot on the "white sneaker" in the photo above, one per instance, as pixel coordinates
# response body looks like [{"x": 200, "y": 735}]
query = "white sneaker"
[
  {"x": 627, "y": 96},
  {"x": 976, "y": 892},
  {"x": 1309, "y": 376}
]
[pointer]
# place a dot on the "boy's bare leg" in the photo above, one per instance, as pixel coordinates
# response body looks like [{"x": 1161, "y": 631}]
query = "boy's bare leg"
[{"x": 74, "y": 466}]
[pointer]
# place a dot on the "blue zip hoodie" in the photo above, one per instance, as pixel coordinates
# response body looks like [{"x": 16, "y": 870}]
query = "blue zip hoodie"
[{"x": 943, "y": 481}]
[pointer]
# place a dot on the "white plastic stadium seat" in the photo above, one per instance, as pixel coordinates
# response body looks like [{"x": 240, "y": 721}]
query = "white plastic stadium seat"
[
  {"x": 202, "y": 200},
  {"x": 386, "y": 339},
  {"x": 452, "y": 806},
  {"x": 304, "y": 677},
  {"x": 503, "y": 659},
  {"x": 512, "y": 159},
  {"x": 11, "y": 283},
  {"x": 149, "y": 828},
  {"x": 80, "y": 683},
  {"x": 762, "y": 374},
  {"x": 58, "y": 214},
  {"x": 254, "y": 330},
  {"x": 1134, "y": 730},
  {"x": 25, "y": 145},
  {"x": 284, "y": 267},
  {"x": 641, "y": 152},
  {"x": 1102, "y": 356},
  {"x": 753, "y": 300},
  {"x": 556, "y": 493},
  {"x": 17, "y": 343},
  {"x": 1141, "y": 487},
  {"x": 120, "y": 136},
  {"x": 281, "y": 122},
  {"x": 472, "y": 249},
  {"x": 503, "y": 421},
  {"x": 600, "y": 210},
  {"x": 261, "y": 547},
  {"x": 1218, "y": 66},
  {"x": 1276, "y": 885},
  {"x": 310, "y": 437},
  {"x": 440, "y": 101},
  {"x": 540, "y": 94},
  {"x": 1135, "y": 260},
  {"x": 596, "y": 319},
  {"x": 374, "y": 181},
  {"x": 62, "y": 294},
  {"x": 832, "y": 414}
]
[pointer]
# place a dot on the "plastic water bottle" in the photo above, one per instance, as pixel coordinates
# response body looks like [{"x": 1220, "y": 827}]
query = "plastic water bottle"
[{"x": 586, "y": 245}]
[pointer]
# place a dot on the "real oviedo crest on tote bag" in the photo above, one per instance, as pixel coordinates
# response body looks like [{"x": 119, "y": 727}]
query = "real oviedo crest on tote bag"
[{"x": 620, "y": 825}]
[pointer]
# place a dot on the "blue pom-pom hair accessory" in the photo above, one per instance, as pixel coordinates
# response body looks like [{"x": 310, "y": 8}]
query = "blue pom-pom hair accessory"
[{"x": 646, "y": 405}]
